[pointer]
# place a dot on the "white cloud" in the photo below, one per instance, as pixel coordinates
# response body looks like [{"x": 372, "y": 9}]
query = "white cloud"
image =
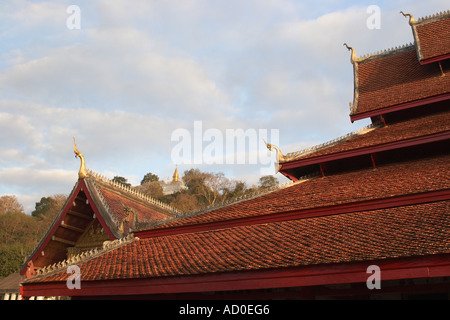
[{"x": 136, "y": 72}]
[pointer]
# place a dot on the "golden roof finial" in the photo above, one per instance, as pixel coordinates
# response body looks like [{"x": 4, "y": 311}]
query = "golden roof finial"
[
  {"x": 82, "y": 173},
  {"x": 411, "y": 18},
  {"x": 175, "y": 176}
]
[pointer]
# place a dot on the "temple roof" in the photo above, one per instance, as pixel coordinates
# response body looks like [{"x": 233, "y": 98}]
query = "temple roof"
[
  {"x": 432, "y": 37},
  {"x": 396, "y": 207},
  {"x": 355, "y": 234},
  {"x": 119, "y": 200},
  {"x": 360, "y": 236},
  {"x": 115, "y": 209},
  {"x": 404, "y": 178},
  {"x": 395, "y": 78},
  {"x": 377, "y": 135}
]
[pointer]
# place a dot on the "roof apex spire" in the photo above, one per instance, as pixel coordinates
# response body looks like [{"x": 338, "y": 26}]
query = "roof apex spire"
[{"x": 82, "y": 173}]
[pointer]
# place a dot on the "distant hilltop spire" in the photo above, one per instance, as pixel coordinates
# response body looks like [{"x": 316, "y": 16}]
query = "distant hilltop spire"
[{"x": 176, "y": 177}]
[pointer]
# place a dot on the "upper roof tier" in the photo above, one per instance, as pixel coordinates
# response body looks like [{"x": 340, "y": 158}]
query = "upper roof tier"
[
  {"x": 404, "y": 77},
  {"x": 432, "y": 37},
  {"x": 366, "y": 138},
  {"x": 395, "y": 80}
]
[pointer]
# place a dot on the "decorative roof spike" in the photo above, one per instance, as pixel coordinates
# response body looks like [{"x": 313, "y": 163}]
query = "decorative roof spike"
[
  {"x": 82, "y": 173},
  {"x": 411, "y": 18},
  {"x": 353, "y": 57}
]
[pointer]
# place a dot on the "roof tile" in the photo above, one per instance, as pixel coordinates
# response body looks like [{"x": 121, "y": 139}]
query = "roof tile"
[
  {"x": 379, "y": 234},
  {"x": 396, "y": 78}
]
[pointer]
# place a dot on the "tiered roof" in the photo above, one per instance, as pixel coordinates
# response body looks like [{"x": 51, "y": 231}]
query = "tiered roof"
[
  {"x": 417, "y": 131},
  {"x": 367, "y": 235},
  {"x": 318, "y": 221},
  {"x": 320, "y": 229},
  {"x": 432, "y": 37},
  {"x": 407, "y": 178},
  {"x": 404, "y": 77},
  {"x": 395, "y": 79}
]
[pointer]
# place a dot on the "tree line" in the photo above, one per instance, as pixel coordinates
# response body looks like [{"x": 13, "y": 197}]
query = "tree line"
[
  {"x": 202, "y": 189},
  {"x": 21, "y": 232}
]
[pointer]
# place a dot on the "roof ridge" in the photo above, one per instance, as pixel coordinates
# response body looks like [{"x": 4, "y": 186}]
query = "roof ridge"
[
  {"x": 386, "y": 52},
  {"x": 434, "y": 16},
  {"x": 253, "y": 195},
  {"x": 133, "y": 192},
  {"x": 83, "y": 257},
  {"x": 330, "y": 143}
]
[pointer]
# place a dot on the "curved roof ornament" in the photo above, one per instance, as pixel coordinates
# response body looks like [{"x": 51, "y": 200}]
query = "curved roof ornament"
[
  {"x": 271, "y": 147},
  {"x": 353, "y": 57},
  {"x": 411, "y": 18},
  {"x": 82, "y": 173}
]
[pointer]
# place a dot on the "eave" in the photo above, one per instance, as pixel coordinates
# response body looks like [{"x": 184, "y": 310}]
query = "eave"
[
  {"x": 375, "y": 204},
  {"x": 398, "y": 107},
  {"x": 435, "y": 59},
  {"x": 429, "y": 266},
  {"x": 366, "y": 150}
]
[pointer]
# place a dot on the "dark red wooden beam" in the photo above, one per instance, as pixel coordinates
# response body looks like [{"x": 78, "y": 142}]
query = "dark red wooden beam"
[
  {"x": 324, "y": 274},
  {"x": 359, "y": 206},
  {"x": 367, "y": 150},
  {"x": 373, "y": 161},
  {"x": 435, "y": 59},
  {"x": 401, "y": 106}
]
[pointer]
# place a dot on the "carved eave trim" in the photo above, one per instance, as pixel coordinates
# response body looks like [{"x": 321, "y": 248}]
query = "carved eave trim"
[
  {"x": 78, "y": 259},
  {"x": 304, "y": 152}
]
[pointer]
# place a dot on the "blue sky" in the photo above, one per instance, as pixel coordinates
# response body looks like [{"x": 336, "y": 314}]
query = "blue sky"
[{"x": 136, "y": 71}]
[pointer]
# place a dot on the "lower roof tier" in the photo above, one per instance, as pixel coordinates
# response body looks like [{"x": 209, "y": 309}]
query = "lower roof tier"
[{"x": 406, "y": 231}]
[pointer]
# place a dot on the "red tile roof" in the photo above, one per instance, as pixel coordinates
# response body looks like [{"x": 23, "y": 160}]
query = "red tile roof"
[
  {"x": 423, "y": 126},
  {"x": 432, "y": 36},
  {"x": 395, "y": 78},
  {"x": 116, "y": 202},
  {"x": 397, "y": 179},
  {"x": 389, "y": 233}
]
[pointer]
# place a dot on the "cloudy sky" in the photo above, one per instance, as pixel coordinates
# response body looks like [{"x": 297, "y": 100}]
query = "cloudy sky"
[{"x": 135, "y": 72}]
